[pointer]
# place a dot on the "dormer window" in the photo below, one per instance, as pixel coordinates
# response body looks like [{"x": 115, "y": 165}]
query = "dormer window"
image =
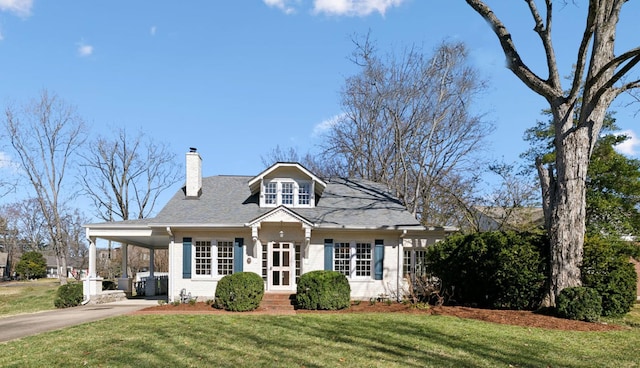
[
  {"x": 287, "y": 192},
  {"x": 287, "y": 184}
]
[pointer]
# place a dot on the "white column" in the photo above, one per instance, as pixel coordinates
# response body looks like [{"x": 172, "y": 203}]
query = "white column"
[
  {"x": 125, "y": 260},
  {"x": 150, "y": 285},
  {"x": 172, "y": 272},
  {"x": 124, "y": 283},
  {"x": 92, "y": 257},
  {"x": 151, "y": 262},
  {"x": 92, "y": 284}
]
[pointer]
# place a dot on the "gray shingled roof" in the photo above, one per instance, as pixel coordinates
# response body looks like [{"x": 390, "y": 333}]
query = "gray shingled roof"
[{"x": 227, "y": 200}]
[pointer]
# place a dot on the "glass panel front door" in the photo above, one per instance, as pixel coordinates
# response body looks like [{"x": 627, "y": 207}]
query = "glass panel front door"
[{"x": 281, "y": 261}]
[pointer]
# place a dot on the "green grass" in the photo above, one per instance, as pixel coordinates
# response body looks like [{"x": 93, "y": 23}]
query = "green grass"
[
  {"x": 27, "y": 296},
  {"x": 318, "y": 340}
]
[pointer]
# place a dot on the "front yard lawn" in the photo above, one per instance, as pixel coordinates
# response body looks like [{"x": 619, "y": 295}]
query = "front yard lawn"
[{"x": 318, "y": 340}]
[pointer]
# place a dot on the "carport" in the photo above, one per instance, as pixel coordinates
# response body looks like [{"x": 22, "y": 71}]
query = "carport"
[{"x": 131, "y": 232}]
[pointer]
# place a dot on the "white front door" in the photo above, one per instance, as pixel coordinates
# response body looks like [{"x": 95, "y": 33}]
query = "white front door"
[{"x": 281, "y": 266}]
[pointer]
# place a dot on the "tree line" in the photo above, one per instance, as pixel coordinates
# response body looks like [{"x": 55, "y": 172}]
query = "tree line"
[{"x": 55, "y": 154}]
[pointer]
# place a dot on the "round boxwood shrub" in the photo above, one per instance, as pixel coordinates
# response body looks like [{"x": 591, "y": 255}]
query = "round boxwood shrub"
[
  {"x": 69, "y": 295},
  {"x": 239, "y": 292},
  {"x": 328, "y": 290},
  {"x": 579, "y": 303},
  {"x": 606, "y": 268}
]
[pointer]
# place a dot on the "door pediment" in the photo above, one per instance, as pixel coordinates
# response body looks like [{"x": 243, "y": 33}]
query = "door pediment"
[{"x": 280, "y": 214}]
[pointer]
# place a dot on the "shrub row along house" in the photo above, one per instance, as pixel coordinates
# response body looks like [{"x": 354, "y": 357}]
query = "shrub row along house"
[{"x": 279, "y": 224}]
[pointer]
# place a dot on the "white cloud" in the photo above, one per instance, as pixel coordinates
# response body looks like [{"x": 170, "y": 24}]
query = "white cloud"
[
  {"x": 630, "y": 146},
  {"x": 153, "y": 30},
  {"x": 326, "y": 125},
  {"x": 282, "y": 5},
  {"x": 84, "y": 49},
  {"x": 358, "y": 8},
  {"x": 350, "y": 8},
  {"x": 5, "y": 160},
  {"x": 19, "y": 7}
]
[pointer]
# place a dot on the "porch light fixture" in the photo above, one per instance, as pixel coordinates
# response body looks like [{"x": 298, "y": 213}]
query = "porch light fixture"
[{"x": 281, "y": 232}]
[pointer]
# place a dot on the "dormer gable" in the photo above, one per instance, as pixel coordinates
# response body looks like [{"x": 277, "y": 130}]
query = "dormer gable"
[{"x": 287, "y": 184}]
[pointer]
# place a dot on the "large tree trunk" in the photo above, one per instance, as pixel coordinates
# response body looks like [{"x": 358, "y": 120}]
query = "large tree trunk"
[{"x": 567, "y": 213}]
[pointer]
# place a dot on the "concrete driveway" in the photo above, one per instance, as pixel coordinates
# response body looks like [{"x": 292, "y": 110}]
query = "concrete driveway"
[{"x": 15, "y": 327}]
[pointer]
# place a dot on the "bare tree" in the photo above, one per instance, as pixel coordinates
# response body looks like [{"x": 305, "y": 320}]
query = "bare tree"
[
  {"x": 407, "y": 123},
  {"x": 317, "y": 165},
  {"x": 512, "y": 203},
  {"x": 75, "y": 237},
  {"x": 124, "y": 176},
  {"x": 578, "y": 114},
  {"x": 45, "y": 134},
  {"x": 26, "y": 218}
]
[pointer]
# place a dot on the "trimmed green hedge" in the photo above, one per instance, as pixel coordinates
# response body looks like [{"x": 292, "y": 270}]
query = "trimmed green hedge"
[
  {"x": 328, "y": 290},
  {"x": 492, "y": 269},
  {"x": 606, "y": 267},
  {"x": 579, "y": 303},
  {"x": 69, "y": 295},
  {"x": 239, "y": 292}
]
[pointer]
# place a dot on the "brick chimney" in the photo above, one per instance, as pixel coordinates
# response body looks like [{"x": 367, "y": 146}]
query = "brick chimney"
[{"x": 193, "y": 189}]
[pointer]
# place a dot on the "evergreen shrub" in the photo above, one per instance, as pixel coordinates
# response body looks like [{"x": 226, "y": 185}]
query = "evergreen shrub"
[
  {"x": 239, "y": 292},
  {"x": 32, "y": 265},
  {"x": 492, "y": 269},
  {"x": 606, "y": 267},
  {"x": 326, "y": 290},
  {"x": 69, "y": 295},
  {"x": 579, "y": 303}
]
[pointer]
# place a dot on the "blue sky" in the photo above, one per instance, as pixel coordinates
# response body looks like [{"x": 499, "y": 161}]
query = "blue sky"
[{"x": 237, "y": 78}]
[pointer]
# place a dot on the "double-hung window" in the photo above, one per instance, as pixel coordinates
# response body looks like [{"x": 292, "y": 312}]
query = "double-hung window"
[
  {"x": 271, "y": 192},
  {"x": 225, "y": 257},
  {"x": 342, "y": 258},
  {"x": 202, "y": 257},
  {"x": 212, "y": 258},
  {"x": 287, "y": 193},
  {"x": 414, "y": 263},
  {"x": 353, "y": 259},
  {"x": 304, "y": 194}
]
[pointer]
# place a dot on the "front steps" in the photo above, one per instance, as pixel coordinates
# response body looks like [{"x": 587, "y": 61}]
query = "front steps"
[{"x": 275, "y": 302}]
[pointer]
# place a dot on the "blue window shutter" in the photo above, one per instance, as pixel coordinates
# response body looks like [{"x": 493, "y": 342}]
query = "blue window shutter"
[
  {"x": 378, "y": 257},
  {"x": 186, "y": 258},
  {"x": 328, "y": 254},
  {"x": 238, "y": 255}
]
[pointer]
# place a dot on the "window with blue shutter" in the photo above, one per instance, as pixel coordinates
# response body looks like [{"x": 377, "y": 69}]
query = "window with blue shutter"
[
  {"x": 378, "y": 258},
  {"x": 328, "y": 254},
  {"x": 186, "y": 258}
]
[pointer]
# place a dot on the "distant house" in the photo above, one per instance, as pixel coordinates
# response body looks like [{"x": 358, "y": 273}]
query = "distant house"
[
  {"x": 509, "y": 218},
  {"x": 73, "y": 270},
  {"x": 279, "y": 224},
  {"x": 52, "y": 267},
  {"x": 4, "y": 270}
]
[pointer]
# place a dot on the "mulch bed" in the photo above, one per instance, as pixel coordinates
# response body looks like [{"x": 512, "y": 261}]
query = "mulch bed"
[{"x": 509, "y": 317}]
